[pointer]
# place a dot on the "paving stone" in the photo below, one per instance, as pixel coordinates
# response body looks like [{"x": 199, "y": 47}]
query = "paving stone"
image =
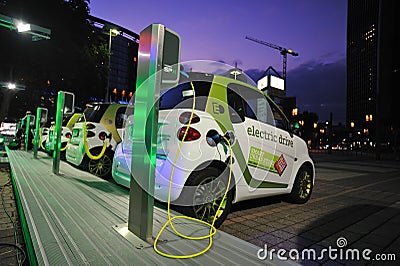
[
  {"x": 361, "y": 245},
  {"x": 257, "y": 242},
  {"x": 229, "y": 229},
  {"x": 241, "y": 227},
  {"x": 282, "y": 234},
  {"x": 312, "y": 236},
  {"x": 273, "y": 240},
  {"x": 250, "y": 223},
  {"x": 265, "y": 228},
  {"x": 253, "y": 233},
  {"x": 378, "y": 240}
]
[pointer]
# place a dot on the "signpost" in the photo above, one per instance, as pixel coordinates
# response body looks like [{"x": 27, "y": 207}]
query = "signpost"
[
  {"x": 159, "y": 55},
  {"x": 65, "y": 105}
]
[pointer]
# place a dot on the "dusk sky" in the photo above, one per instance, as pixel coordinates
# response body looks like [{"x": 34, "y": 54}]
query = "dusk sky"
[{"x": 216, "y": 30}]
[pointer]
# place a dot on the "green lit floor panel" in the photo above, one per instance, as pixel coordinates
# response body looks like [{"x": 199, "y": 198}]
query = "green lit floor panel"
[{"x": 70, "y": 219}]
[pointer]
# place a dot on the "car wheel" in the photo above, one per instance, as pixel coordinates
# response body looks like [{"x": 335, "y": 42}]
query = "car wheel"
[
  {"x": 204, "y": 192},
  {"x": 102, "y": 166},
  {"x": 302, "y": 187}
]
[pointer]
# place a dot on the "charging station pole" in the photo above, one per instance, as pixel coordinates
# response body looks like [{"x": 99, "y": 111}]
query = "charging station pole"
[
  {"x": 29, "y": 118},
  {"x": 39, "y": 114},
  {"x": 159, "y": 55},
  {"x": 60, "y": 111}
]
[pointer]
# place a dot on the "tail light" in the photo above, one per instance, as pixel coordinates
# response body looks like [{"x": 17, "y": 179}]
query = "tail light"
[
  {"x": 68, "y": 135},
  {"x": 90, "y": 126},
  {"x": 102, "y": 136},
  {"x": 185, "y": 117},
  {"x": 192, "y": 134},
  {"x": 90, "y": 134}
]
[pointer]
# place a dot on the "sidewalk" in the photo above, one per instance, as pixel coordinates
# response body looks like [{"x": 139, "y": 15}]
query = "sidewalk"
[{"x": 355, "y": 205}]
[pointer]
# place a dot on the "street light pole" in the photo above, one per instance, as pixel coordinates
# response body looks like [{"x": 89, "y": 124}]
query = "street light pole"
[
  {"x": 109, "y": 67},
  {"x": 112, "y": 32}
]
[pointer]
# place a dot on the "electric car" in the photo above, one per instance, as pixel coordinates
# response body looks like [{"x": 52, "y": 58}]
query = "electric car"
[
  {"x": 48, "y": 135},
  {"x": 95, "y": 136},
  {"x": 229, "y": 115}
]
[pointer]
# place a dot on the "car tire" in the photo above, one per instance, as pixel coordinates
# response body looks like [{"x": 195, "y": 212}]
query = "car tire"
[
  {"x": 302, "y": 187},
  {"x": 101, "y": 167},
  {"x": 198, "y": 187}
]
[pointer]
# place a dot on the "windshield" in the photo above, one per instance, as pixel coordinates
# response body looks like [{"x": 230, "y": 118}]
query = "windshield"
[
  {"x": 181, "y": 96},
  {"x": 93, "y": 113}
]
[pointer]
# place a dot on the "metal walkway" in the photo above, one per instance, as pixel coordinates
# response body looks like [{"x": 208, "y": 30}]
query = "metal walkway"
[{"x": 70, "y": 219}]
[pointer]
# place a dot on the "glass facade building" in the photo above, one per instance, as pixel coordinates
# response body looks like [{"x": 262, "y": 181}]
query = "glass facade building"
[
  {"x": 372, "y": 67},
  {"x": 123, "y": 58}
]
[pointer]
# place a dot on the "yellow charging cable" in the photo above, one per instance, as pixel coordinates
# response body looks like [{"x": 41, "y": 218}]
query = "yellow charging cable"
[
  {"x": 66, "y": 145},
  {"x": 86, "y": 146},
  {"x": 213, "y": 230},
  {"x": 40, "y": 139}
]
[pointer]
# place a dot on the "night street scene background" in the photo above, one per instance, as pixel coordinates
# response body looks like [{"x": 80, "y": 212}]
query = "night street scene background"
[{"x": 347, "y": 69}]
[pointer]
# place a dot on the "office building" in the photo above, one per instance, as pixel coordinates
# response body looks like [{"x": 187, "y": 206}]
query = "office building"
[{"x": 373, "y": 68}]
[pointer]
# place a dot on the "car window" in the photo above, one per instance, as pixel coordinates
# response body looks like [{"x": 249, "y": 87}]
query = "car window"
[
  {"x": 181, "y": 96},
  {"x": 94, "y": 113},
  {"x": 120, "y": 117},
  {"x": 236, "y": 106},
  {"x": 280, "y": 119},
  {"x": 255, "y": 104}
]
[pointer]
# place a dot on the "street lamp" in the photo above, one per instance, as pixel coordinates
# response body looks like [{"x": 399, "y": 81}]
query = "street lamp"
[
  {"x": 11, "y": 86},
  {"x": 112, "y": 32},
  {"x": 23, "y": 27},
  {"x": 37, "y": 32}
]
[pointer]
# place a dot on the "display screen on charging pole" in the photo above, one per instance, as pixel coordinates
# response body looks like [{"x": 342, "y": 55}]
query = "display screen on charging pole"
[
  {"x": 159, "y": 53},
  {"x": 170, "y": 72}
]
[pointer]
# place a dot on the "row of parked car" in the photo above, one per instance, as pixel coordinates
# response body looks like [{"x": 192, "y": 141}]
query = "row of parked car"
[{"x": 267, "y": 158}]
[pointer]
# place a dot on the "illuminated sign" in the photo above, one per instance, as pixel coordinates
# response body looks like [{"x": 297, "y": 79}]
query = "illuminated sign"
[
  {"x": 270, "y": 81},
  {"x": 262, "y": 83},
  {"x": 277, "y": 83}
]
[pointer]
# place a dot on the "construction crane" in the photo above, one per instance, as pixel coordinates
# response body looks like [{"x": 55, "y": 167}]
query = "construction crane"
[{"x": 282, "y": 50}]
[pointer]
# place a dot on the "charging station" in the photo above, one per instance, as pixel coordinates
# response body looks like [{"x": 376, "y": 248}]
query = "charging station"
[
  {"x": 29, "y": 121},
  {"x": 158, "y": 67},
  {"x": 41, "y": 114},
  {"x": 65, "y": 106}
]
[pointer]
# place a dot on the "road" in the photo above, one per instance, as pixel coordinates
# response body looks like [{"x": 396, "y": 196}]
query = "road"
[{"x": 355, "y": 205}]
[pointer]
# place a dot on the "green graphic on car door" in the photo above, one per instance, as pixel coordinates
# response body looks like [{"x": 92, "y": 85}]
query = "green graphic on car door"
[{"x": 217, "y": 97}]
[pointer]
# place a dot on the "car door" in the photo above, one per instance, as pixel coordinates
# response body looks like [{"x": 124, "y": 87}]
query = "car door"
[
  {"x": 285, "y": 149},
  {"x": 257, "y": 136}
]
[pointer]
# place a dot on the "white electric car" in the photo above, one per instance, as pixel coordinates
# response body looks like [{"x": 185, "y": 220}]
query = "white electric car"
[
  {"x": 268, "y": 159},
  {"x": 48, "y": 135},
  {"x": 104, "y": 130}
]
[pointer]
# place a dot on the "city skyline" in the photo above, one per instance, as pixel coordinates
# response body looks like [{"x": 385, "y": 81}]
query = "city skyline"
[{"x": 314, "y": 29}]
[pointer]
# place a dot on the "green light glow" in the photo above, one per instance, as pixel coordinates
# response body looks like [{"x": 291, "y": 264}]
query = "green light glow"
[
  {"x": 36, "y": 139},
  {"x": 57, "y": 131},
  {"x": 28, "y": 124}
]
